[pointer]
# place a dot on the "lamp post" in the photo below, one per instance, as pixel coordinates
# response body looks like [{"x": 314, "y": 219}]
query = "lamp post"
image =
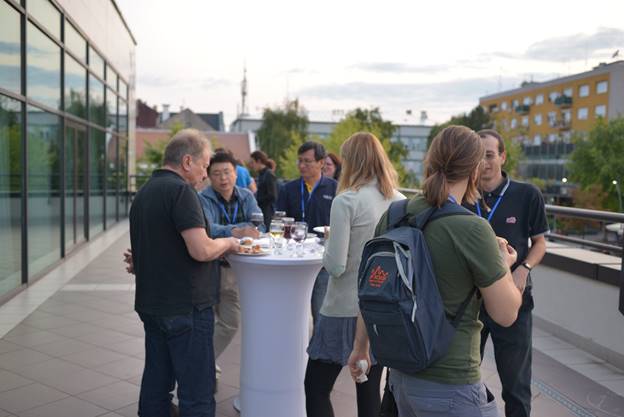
[{"x": 619, "y": 193}]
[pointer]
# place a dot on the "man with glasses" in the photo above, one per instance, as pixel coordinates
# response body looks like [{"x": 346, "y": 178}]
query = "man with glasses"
[
  {"x": 516, "y": 212},
  {"x": 308, "y": 199}
]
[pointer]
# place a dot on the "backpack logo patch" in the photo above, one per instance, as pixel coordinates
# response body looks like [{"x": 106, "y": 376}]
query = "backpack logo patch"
[{"x": 377, "y": 277}]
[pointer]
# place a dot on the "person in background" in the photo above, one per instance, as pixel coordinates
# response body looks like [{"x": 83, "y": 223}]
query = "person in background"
[
  {"x": 309, "y": 198},
  {"x": 333, "y": 166},
  {"x": 176, "y": 282},
  {"x": 267, "y": 185},
  {"x": 366, "y": 189},
  {"x": 465, "y": 253},
  {"x": 243, "y": 177},
  {"x": 517, "y": 213}
]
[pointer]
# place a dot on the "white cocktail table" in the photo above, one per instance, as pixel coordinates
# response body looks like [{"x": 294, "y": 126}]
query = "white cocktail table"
[{"x": 275, "y": 296}]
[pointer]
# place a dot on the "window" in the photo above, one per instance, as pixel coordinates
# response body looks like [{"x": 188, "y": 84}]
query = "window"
[
  {"x": 111, "y": 179},
  {"x": 515, "y": 103},
  {"x": 43, "y": 74},
  {"x": 10, "y": 191},
  {"x": 111, "y": 109},
  {"x": 525, "y": 120},
  {"x": 47, "y": 15},
  {"x": 539, "y": 99},
  {"x": 44, "y": 203},
  {"x": 123, "y": 117},
  {"x": 552, "y": 119},
  {"x": 553, "y": 96},
  {"x": 582, "y": 113},
  {"x": 97, "y": 110},
  {"x": 537, "y": 140},
  {"x": 75, "y": 88},
  {"x": 537, "y": 119},
  {"x": 553, "y": 137},
  {"x": 601, "y": 111},
  {"x": 602, "y": 87},
  {"x": 96, "y": 63},
  {"x": 10, "y": 51},
  {"x": 75, "y": 42},
  {"x": 504, "y": 105},
  {"x": 568, "y": 92},
  {"x": 514, "y": 123},
  {"x": 567, "y": 115},
  {"x": 584, "y": 90},
  {"x": 527, "y": 101},
  {"x": 97, "y": 157},
  {"x": 123, "y": 176}
]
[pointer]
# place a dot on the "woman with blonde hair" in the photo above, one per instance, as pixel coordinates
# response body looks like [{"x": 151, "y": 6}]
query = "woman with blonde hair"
[{"x": 367, "y": 187}]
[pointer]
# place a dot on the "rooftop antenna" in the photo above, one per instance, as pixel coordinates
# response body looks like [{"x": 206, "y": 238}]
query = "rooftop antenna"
[{"x": 244, "y": 92}]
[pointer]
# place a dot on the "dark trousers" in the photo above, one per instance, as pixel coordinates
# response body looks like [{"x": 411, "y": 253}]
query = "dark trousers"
[
  {"x": 178, "y": 349},
  {"x": 319, "y": 381},
  {"x": 512, "y": 352}
]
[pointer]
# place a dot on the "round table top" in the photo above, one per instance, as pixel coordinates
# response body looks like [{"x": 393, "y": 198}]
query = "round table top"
[{"x": 284, "y": 259}]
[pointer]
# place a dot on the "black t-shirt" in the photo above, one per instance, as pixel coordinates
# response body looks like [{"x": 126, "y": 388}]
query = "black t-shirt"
[
  {"x": 168, "y": 280},
  {"x": 519, "y": 215}
]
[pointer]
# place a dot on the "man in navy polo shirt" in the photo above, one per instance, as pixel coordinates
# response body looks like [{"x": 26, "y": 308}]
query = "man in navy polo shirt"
[
  {"x": 309, "y": 199},
  {"x": 516, "y": 212}
]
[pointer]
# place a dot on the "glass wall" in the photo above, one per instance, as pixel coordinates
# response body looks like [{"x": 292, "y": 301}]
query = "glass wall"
[
  {"x": 63, "y": 132},
  {"x": 10, "y": 194},
  {"x": 10, "y": 61},
  {"x": 44, "y": 189},
  {"x": 97, "y": 156}
]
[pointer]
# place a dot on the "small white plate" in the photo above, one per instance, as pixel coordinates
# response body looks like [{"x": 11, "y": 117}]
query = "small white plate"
[{"x": 321, "y": 229}]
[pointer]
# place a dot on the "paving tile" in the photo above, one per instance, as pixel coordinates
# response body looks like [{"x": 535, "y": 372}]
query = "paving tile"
[
  {"x": 6, "y": 346},
  {"x": 9, "y": 381},
  {"x": 598, "y": 371},
  {"x": 76, "y": 330},
  {"x": 104, "y": 338},
  {"x": 94, "y": 357},
  {"x": 50, "y": 322},
  {"x": 114, "y": 396},
  {"x": 50, "y": 372},
  {"x": 572, "y": 356},
  {"x": 123, "y": 369},
  {"x": 31, "y": 339},
  {"x": 548, "y": 343},
  {"x": 29, "y": 396},
  {"x": 85, "y": 380},
  {"x": 111, "y": 415},
  {"x": 131, "y": 347},
  {"x": 4, "y": 413},
  {"x": 19, "y": 358},
  {"x": 63, "y": 347},
  {"x": 128, "y": 411},
  {"x": 617, "y": 386},
  {"x": 67, "y": 407}
]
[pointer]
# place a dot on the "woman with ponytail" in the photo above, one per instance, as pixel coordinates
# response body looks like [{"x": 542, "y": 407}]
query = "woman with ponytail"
[{"x": 465, "y": 254}]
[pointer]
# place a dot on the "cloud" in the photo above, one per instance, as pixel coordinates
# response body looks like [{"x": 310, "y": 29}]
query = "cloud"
[
  {"x": 578, "y": 46},
  {"x": 399, "y": 67},
  {"x": 158, "y": 81}
]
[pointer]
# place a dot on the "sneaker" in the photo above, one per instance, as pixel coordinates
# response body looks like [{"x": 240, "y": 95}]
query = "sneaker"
[
  {"x": 236, "y": 404},
  {"x": 217, "y": 371}
]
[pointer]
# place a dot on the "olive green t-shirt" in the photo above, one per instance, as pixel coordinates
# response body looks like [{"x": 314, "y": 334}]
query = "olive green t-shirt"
[{"x": 464, "y": 253}]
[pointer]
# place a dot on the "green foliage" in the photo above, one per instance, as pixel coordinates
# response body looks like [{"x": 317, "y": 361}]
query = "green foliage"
[
  {"x": 281, "y": 127},
  {"x": 598, "y": 159},
  {"x": 288, "y": 161},
  {"x": 479, "y": 119},
  {"x": 154, "y": 154},
  {"x": 365, "y": 120}
]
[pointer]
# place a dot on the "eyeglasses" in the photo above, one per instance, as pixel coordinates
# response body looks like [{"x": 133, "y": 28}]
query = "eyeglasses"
[
  {"x": 308, "y": 162},
  {"x": 218, "y": 174}
]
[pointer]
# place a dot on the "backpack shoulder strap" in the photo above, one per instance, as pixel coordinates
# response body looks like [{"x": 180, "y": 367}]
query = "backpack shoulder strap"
[
  {"x": 397, "y": 212},
  {"x": 462, "y": 308}
]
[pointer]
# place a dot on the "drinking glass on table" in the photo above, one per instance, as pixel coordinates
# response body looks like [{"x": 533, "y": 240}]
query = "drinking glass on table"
[
  {"x": 298, "y": 233},
  {"x": 277, "y": 233},
  {"x": 257, "y": 219}
]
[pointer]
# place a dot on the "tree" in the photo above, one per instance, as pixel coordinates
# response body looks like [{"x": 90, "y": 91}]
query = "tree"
[
  {"x": 597, "y": 159},
  {"x": 478, "y": 119},
  {"x": 371, "y": 121},
  {"x": 280, "y": 128},
  {"x": 287, "y": 164},
  {"x": 153, "y": 155}
]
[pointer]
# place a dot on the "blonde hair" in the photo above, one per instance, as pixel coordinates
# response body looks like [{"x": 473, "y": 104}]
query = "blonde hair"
[
  {"x": 454, "y": 155},
  {"x": 363, "y": 160}
]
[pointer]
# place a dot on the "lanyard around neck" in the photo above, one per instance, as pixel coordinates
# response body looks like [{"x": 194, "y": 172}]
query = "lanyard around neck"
[
  {"x": 225, "y": 213},
  {"x": 498, "y": 200},
  {"x": 303, "y": 202}
]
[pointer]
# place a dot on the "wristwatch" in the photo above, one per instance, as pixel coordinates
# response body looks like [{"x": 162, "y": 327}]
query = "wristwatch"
[{"x": 527, "y": 265}]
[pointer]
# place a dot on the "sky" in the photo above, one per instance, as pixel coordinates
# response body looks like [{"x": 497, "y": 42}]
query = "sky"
[{"x": 436, "y": 56}]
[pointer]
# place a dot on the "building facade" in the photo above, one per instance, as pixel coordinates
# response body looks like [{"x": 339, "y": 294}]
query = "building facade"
[
  {"x": 544, "y": 116},
  {"x": 414, "y": 137},
  {"x": 67, "y": 74}
]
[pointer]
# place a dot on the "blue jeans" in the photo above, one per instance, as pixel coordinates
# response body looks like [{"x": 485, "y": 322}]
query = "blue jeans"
[
  {"x": 178, "y": 349},
  {"x": 417, "y": 397},
  {"x": 512, "y": 352},
  {"x": 318, "y": 294}
]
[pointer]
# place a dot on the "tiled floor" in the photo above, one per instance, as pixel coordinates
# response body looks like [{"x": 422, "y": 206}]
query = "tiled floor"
[{"x": 74, "y": 347}]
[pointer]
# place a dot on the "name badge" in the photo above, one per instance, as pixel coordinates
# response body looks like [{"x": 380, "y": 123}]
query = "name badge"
[{"x": 327, "y": 197}]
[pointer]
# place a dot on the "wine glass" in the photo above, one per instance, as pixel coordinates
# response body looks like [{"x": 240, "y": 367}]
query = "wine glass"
[
  {"x": 257, "y": 219},
  {"x": 277, "y": 232},
  {"x": 298, "y": 233}
]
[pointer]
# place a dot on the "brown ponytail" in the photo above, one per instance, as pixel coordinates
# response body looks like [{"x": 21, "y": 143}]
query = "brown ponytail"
[{"x": 454, "y": 155}]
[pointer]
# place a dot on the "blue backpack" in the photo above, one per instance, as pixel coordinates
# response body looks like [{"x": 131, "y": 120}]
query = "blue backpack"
[{"x": 398, "y": 293}]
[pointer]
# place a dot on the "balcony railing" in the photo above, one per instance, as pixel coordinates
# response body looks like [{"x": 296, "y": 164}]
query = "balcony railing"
[
  {"x": 563, "y": 101},
  {"x": 523, "y": 108}
]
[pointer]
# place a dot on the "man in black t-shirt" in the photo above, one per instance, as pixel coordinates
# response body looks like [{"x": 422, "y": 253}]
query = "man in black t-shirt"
[
  {"x": 516, "y": 212},
  {"x": 176, "y": 285}
]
